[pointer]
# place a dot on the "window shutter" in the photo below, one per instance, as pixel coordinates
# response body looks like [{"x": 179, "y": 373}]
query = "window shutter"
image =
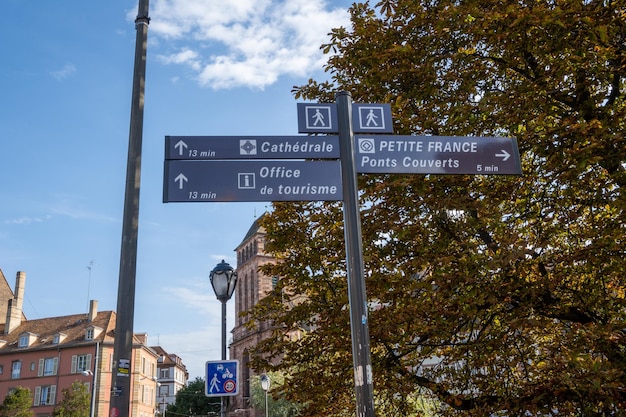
[
  {"x": 37, "y": 396},
  {"x": 53, "y": 394},
  {"x": 40, "y": 369},
  {"x": 74, "y": 360},
  {"x": 55, "y": 365},
  {"x": 89, "y": 361}
]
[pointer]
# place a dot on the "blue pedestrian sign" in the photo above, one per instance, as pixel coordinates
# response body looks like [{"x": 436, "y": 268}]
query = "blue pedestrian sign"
[
  {"x": 317, "y": 118},
  {"x": 221, "y": 378},
  {"x": 322, "y": 118},
  {"x": 372, "y": 118}
]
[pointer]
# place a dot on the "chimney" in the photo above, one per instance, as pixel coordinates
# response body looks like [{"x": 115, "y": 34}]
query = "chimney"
[
  {"x": 93, "y": 310},
  {"x": 14, "y": 309}
]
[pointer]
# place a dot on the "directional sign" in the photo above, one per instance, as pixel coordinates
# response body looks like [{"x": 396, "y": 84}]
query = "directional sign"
[
  {"x": 251, "y": 147},
  {"x": 252, "y": 180},
  {"x": 221, "y": 378},
  {"x": 436, "y": 155},
  {"x": 322, "y": 118}
]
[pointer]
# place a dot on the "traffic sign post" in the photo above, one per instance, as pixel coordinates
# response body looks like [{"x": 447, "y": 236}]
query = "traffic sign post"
[
  {"x": 221, "y": 378},
  {"x": 395, "y": 154},
  {"x": 279, "y": 168},
  {"x": 256, "y": 180}
]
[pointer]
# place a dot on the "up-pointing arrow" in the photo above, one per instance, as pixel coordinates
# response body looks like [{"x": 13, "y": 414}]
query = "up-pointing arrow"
[
  {"x": 181, "y": 146},
  {"x": 180, "y": 179},
  {"x": 504, "y": 155}
]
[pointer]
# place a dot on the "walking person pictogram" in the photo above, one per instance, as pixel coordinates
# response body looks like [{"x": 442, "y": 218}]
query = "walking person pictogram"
[
  {"x": 214, "y": 385},
  {"x": 319, "y": 118},
  {"x": 371, "y": 118}
]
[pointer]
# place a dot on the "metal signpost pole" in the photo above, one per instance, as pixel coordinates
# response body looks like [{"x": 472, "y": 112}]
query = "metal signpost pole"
[
  {"x": 120, "y": 391},
  {"x": 354, "y": 261}
]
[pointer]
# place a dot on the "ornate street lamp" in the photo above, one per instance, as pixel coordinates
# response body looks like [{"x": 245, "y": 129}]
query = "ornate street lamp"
[
  {"x": 265, "y": 384},
  {"x": 224, "y": 280}
]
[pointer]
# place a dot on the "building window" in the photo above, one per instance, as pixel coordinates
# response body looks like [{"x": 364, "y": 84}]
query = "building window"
[
  {"x": 16, "y": 369},
  {"x": 165, "y": 374},
  {"x": 1, "y": 369},
  {"x": 45, "y": 395},
  {"x": 89, "y": 334},
  {"x": 23, "y": 341},
  {"x": 164, "y": 390},
  {"x": 81, "y": 363},
  {"x": 48, "y": 366}
]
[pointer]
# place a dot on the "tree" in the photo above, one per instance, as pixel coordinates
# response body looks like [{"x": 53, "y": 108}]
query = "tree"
[
  {"x": 511, "y": 289},
  {"x": 17, "y": 403},
  {"x": 75, "y": 401},
  {"x": 277, "y": 404},
  {"x": 191, "y": 401}
]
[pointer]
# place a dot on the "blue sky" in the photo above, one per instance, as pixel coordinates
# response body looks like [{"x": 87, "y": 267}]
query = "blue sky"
[{"x": 214, "y": 68}]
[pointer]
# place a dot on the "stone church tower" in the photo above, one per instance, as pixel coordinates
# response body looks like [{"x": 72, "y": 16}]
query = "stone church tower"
[{"x": 252, "y": 285}]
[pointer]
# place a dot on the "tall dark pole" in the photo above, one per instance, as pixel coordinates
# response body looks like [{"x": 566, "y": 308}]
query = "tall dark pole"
[
  {"x": 123, "y": 344},
  {"x": 361, "y": 356},
  {"x": 223, "y": 399}
]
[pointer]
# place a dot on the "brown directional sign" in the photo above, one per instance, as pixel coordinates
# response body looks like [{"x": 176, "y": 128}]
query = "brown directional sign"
[{"x": 391, "y": 154}]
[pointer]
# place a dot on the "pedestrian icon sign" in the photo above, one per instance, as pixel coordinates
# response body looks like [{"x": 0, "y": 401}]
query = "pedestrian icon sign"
[
  {"x": 372, "y": 118},
  {"x": 322, "y": 118},
  {"x": 317, "y": 118},
  {"x": 221, "y": 378}
]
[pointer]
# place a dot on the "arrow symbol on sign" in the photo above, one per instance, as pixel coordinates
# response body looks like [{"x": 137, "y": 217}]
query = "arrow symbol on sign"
[
  {"x": 181, "y": 179},
  {"x": 180, "y": 145},
  {"x": 504, "y": 155}
]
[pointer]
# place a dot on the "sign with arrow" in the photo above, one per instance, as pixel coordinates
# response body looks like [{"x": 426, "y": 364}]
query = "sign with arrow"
[
  {"x": 396, "y": 154},
  {"x": 251, "y": 147},
  {"x": 254, "y": 180}
]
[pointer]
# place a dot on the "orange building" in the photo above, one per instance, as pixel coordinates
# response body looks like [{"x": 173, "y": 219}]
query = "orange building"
[{"x": 48, "y": 355}]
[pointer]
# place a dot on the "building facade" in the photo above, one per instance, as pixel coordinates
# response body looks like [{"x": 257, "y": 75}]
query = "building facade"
[
  {"x": 48, "y": 355},
  {"x": 172, "y": 376},
  {"x": 252, "y": 285}
]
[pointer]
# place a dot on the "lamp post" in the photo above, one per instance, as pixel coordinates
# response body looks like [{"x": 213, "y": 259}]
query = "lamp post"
[
  {"x": 94, "y": 381},
  {"x": 265, "y": 384},
  {"x": 223, "y": 279}
]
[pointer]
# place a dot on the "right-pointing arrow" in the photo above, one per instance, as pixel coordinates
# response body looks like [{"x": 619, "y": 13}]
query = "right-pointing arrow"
[
  {"x": 504, "y": 155},
  {"x": 181, "y": 179}
]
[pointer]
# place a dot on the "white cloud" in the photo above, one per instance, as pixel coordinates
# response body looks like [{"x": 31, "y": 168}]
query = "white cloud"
[
  {"x": 67, "y": 71},
  {"x": 244, "y": 42},
  {"x": 25, "y": 220}
]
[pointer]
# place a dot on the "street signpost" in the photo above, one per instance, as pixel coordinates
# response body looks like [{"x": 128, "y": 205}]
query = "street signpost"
[
  {"x": 254, "y": 180},
  {"x": 395, "y": 154},
  {"x": 221, "y": 378},
  {"x": 323, "y": 168}
]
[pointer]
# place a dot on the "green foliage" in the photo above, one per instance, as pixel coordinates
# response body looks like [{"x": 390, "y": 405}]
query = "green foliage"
[
  {"x": 17, "y": 403},
  {"x": 75, "y": 402},
  {"x": 191, "y": 401},
  {"x": 511, "y": 289},
  {"x": 278, "y": 405}
]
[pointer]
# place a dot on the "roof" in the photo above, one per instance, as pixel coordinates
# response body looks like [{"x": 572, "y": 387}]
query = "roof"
[
  {"x": 72, "y": 326},
  {"x": 254, "y": 229}
]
